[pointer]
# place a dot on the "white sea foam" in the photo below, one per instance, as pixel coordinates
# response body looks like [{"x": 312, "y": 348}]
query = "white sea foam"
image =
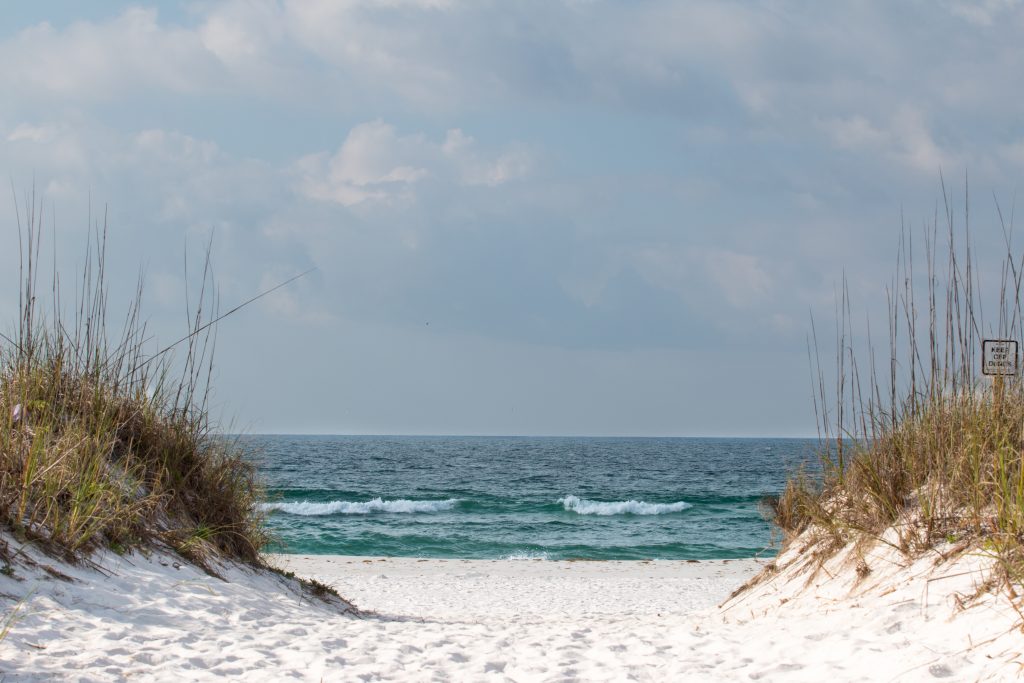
[
  {"x": 345, "y": 507},
  {"x": 620, "y": 507},
  {"x": 525, "y": 555}
]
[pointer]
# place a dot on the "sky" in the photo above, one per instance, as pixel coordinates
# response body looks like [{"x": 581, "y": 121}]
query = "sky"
[{"x": 576, "y": 217}]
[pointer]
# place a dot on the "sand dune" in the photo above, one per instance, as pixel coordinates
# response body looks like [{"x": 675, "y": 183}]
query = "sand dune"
[{"x": 154, "y": 618}]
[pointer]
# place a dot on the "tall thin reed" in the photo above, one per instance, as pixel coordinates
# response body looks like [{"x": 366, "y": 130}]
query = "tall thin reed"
[
  {"x": 927, "y": 445},
  {"x": 103, "y": 444}
]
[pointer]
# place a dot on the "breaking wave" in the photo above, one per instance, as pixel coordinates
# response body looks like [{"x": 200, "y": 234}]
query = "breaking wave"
[
  {"x": 345, "y": 507},
  {"x": 582, "y": 506},
  {"x": 526, "y": 555}
]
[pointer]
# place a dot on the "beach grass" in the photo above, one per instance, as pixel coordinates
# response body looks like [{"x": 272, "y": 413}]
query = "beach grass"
[
  {"x": 105, "y": 441},
  {"x": 923, "y": 444}
]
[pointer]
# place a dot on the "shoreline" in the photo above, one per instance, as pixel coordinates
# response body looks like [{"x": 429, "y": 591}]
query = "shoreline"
[{"x": 332, "y": 558}]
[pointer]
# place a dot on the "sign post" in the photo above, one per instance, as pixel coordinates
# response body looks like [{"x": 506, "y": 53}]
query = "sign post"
[{"x": 999, "y": 359}]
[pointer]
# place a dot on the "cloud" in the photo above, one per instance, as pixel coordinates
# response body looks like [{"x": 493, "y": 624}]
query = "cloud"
[
  {"x": 97, "y": 60},
  {"x": 741, "y": 277},
  {"x": 294, "y": 303},
  {"x": 373, "y": 163},
  {"x": 172, "y": 146},
  {"x": 33, "y": 133},
  {"x": 376, "y": 164},
  {"x": 51, "y": 147},
  {"x": 578, "y": 174},
  {"x": 855, "y": 132},
  {"x": 239, "y": 33},
  {"x": 445, "y": 54},
  {"x": 461, "y": 150},
  {"x": 165, "y": 190},
  {"x": 981, "y": 12},
  {"x": 905, "y": 138},
  {"x": 702, "y": 62},
  {"x": 695, "y": 59},
  {"x": 740, "y": 280}
]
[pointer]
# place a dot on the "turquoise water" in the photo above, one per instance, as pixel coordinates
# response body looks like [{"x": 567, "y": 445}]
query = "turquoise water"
[{"x": 523, "y": 497}]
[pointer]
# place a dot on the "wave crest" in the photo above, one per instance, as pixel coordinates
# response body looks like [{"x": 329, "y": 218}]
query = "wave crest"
[
  {"x": 526, "y": 555},
  {"x": 345, "y": 507},
  {"x": 582, "y": 506}
]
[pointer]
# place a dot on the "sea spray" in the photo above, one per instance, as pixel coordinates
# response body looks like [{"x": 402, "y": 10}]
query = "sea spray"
[
  {"x": 582, "y": 506},
  {"x": 378, "y": 505},
  {"x": 526, "y": 555}
]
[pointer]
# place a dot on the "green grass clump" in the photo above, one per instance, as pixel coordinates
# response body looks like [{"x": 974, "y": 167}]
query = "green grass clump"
[
  {"x": 924, "y": 444},
  {"x": 105, "y": 445},
  {"x": 954, "y": 472}
]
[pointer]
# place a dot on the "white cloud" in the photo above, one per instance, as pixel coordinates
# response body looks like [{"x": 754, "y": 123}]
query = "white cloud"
[
  {"x": 905, "y": 137},
  {"x": 33, "y": 133},
  {"x": 288, "y": 302},
  {"x": 741, "y": 277},
  {"x": 701, "y": 61},
  {"x": 781, "y": 138},
  {"x": 461, "y": 150},
  {"x": 163, "y": 186},
  {"x": 162, "y": 145},
  {"x": 740, "y": 280},
  {"x": 373, "y": 164},
  {"x": 981, "y": 12},
  {"x": 855, "y": 132},
  {"x": 916, "y": 145},
  {"x": 376, "y": 164},
  {"x": 95, "y": 60},
  {"x": 733, "y": 87},
  {"x": 46, "y": 146},
  {"x": 229, "y": 41},
  {"x": 357, "y": 37}
]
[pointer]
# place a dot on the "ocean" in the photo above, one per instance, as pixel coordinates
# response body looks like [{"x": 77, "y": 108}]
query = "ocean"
[{"x": 523, "y": 497}]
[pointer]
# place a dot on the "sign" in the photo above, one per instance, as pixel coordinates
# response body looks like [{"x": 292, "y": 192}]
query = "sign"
[{"x": 999, "y": 357}]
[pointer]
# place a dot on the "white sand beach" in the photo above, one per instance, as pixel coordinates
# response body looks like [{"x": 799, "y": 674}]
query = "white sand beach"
[{"x": 156, "y": 618}]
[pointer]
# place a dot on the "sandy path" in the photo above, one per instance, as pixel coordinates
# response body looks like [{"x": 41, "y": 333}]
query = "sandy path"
[
  {"x": 525, "y": 620},
  {"x": 151, "y": 618},
  {"x": 499, "y": 589}
]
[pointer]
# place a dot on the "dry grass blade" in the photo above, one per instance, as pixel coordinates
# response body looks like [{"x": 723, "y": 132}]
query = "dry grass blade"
[
  {"x": 104, "y": 445},
  {"x": 941, "y": 459}
]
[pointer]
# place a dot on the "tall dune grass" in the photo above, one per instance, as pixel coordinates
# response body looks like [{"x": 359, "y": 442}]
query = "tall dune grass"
[
  {"x": 103, "y": 444},
  {"x": 923, "y": 442}
]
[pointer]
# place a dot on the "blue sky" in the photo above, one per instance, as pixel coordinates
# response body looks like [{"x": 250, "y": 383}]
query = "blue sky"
[{"x": 559, "y": 217}]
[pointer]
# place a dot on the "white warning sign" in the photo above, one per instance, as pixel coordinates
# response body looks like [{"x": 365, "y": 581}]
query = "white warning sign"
[{"x": 999, "y": 357}]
